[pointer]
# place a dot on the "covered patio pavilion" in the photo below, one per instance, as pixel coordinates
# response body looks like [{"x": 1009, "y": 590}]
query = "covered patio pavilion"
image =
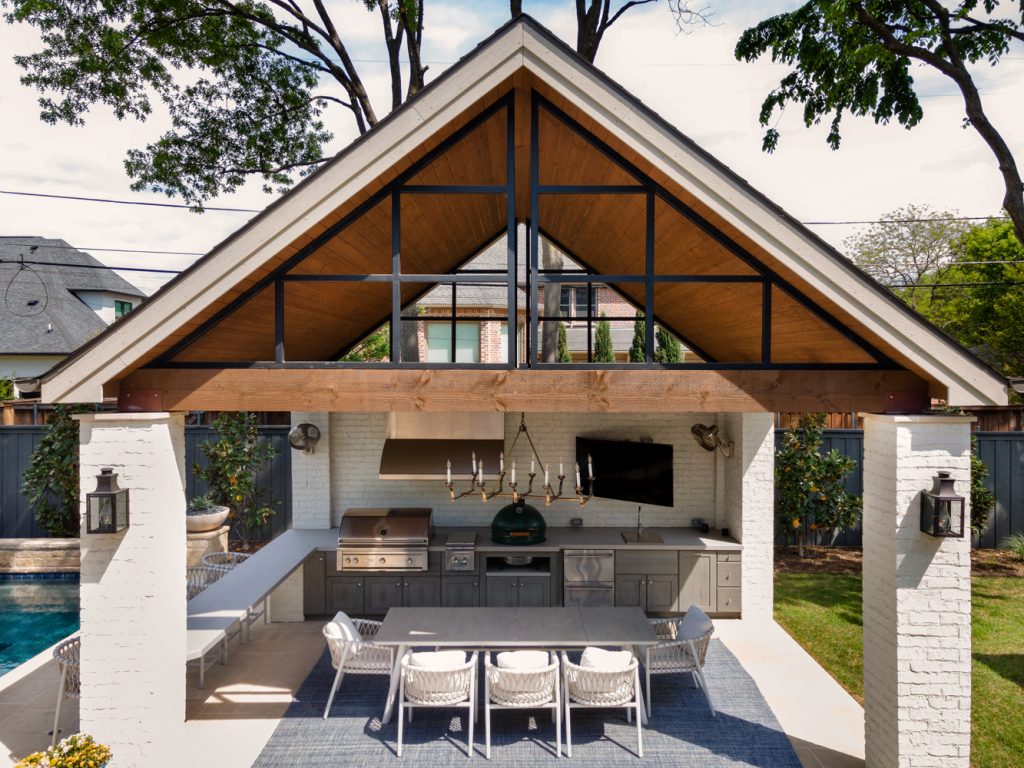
[{"x": 523, "y": 141}]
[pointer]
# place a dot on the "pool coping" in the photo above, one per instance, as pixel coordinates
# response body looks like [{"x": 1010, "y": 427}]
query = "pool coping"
[{"x": 29, "y": 666}]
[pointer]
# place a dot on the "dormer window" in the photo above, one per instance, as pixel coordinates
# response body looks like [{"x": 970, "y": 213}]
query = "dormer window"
[{"x": 121, "y": 308}]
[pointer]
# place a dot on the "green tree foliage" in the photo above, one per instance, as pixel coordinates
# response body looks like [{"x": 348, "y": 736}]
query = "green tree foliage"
[
  {"x": 668, "y": 349},
  {"x": 810, "y": 487},
  {"x": 982, "y": 500},
  {"x": 987, "y": 316},
  {"x": 857, "y": 58},
  {"x": 6, "y": 389},
  {"x": 374, "y": 348},
  {"x": 906, "y": 246},
  {"x": 51, "y": 482},
  {"x": 232, "y": 464},
  {"x": 604, "y": 352},
  {"x": 564, "y": 356},
  {"x": 638, "y": 349}
]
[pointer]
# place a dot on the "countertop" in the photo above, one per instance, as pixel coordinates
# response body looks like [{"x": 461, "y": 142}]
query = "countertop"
[{"x": 593, "y": 538}]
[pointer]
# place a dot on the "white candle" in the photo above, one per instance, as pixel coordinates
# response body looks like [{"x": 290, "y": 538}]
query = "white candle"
[
  {"x": 480, "y": 472},
  {"x": 531, "y": 467},
  {"x": 472, "y": 463},
  {"x": 513, "y": 473},
  {"x": 578, "y": 475},
  {"x": 501, "y": 462},
  {"x": 449, "y": 471},
  {"x": 590, "y": 466},
  {"x": 561, "y": 470},
  {"x": 546, "y": 479}
]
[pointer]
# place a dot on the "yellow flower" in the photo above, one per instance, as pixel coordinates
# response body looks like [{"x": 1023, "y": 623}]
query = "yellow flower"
[{"x": 238, "y": 497}]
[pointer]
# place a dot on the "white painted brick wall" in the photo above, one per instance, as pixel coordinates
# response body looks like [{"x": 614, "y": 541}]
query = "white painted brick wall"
[
  {"x": 133, "y": 589},
  {"x": 311, "y": 476},
  {"x": 357, "y": 439},
  {"x": 748, "y": 505},
  {"x": 917, "y": 598}
]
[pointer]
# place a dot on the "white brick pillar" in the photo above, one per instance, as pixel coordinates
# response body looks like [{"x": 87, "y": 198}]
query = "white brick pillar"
[
  {"x": 133, "y": 589},
  {"x": 311, "y": 476},
  {"x": 749, "y": 506},
  {"x": 917, "y": 597}
]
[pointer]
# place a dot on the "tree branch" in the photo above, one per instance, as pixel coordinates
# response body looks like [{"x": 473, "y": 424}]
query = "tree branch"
[{"x": 623, "y": 9}]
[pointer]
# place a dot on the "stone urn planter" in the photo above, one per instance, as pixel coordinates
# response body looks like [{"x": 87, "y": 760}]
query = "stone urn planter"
[{"x": 200, "y": 518}]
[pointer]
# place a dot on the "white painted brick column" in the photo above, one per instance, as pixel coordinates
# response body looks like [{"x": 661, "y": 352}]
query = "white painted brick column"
[
  {"x": 311, "y": 476},
  {"x": 749, "y": 506},
  {"x": 917, "y": 597},
  {"x": 133, "y": 589}
]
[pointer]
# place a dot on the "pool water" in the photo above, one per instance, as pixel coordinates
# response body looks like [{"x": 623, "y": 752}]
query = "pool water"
[{"x": 35, "y": 613}]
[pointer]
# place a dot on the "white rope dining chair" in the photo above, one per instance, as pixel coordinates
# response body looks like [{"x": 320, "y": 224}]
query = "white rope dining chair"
[
  {"x": 225, "y": 560},
  {"x": 595, "y": 687},
  {"x": 358, "y": 654},
  {"x": 439, "y": 685},
  {"x": 523, "y": 685},
  {"x": 684, "y": 644},
  {"x": 68, "y": 655}
]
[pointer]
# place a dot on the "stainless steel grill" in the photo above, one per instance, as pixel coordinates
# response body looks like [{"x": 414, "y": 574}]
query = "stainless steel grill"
[{"x": 379, "y": 539}]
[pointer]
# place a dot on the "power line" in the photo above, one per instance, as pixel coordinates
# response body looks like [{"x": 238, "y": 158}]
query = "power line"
[
  {"x": 909, "y": 221},
  {"x": 107, "y": 250},
  {"x": 123, "y": 202},
  {"x": 90, "y": 266}
]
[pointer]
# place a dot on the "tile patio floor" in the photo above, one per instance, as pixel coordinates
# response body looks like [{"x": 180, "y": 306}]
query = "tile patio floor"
[{"x": 231, "y": 720}]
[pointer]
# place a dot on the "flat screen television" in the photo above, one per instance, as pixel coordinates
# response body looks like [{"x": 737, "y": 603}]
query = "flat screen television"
[{"x": 626, "y": 470}]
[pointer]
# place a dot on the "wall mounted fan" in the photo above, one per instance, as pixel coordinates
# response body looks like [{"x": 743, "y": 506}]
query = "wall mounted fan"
[
  {"x": 304, "y": 437},
  {"x": 709, "y": 439}
]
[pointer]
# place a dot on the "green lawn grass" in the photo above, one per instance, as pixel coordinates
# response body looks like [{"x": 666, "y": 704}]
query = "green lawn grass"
[{"x": 823, "y": 613}]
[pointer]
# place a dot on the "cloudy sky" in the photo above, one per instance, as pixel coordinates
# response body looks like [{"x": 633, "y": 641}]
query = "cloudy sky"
[{"x": 692, "y": 80}]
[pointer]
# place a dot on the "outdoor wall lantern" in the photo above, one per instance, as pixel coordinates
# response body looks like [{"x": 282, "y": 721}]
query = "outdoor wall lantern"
[
  {"x": 107, "y": 506},
  {"x": 942, "y": 511}
]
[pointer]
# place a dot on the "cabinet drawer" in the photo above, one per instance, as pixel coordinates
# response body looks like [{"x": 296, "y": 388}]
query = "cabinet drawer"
[
  {"x": 729, "y": 600},
  {"x": 728, "y": 574},
  {"x": 729, "y": 557},
  {"x": 646, "y": 561}
]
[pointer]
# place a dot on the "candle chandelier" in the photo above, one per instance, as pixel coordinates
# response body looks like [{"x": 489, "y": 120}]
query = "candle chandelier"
[{"x": 478, "y": 483}]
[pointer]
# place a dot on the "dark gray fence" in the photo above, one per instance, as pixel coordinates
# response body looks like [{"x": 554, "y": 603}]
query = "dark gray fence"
[
  {"x": 1002, "y": 453},
  {"x": 17, "y": 519}
]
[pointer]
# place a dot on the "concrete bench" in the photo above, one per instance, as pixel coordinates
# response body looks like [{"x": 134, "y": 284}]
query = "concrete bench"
[{"x": 228, "y": 605}]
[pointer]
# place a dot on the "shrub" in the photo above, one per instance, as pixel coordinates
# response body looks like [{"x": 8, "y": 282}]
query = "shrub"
[
  {"x": 51, "y": 482},
  {"x": 230, "y": 474},
  {"x": 982, "y": 500},
  {"x": 604, "y": 352},
  {"x": 810, "y": 487},
  {"x": 200, "y": 505},
  {"x": 1015, "y": 543},
  {"x": 76, "y": 751}
]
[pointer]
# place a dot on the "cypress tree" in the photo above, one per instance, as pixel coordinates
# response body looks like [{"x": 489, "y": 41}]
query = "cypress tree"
[
  {"x": 563, "y": 345},
  {"x": 638, "y": 350},
  {"x": 603, "y": 350},
  {"x": 668, "y": 349}
]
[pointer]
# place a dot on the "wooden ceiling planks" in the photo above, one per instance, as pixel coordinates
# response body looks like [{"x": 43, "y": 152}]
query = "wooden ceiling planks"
[
  {"x": 246, "y": 334},
  {"x": 323, "y": 318},
  {"x": 800, "y": 336}
]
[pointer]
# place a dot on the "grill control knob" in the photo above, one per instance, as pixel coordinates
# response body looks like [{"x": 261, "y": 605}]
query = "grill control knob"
[
  {"x": 382, "y": 561},
  {"x": 348, "y": 560},
  {"x": 355, "y": 560},
  {"x": 408, "y": 561}
]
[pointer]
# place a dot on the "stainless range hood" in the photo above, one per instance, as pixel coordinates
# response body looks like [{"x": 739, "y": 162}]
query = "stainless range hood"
[{"x": 419, "y": 444}]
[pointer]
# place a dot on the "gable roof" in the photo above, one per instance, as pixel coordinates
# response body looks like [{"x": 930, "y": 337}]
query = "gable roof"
[
  {"x": 523, "y": 55},
  {"x": 41, "y": 313}
]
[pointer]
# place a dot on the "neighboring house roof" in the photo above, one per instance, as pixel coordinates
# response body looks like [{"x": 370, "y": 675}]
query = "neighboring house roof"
[
  {"x": 523, "y": 54},
  {"x": 494, "y": 256},
  {"x": 40, "y": 313}
]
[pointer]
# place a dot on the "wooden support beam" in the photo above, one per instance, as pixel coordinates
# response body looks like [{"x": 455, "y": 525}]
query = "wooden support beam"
[{"x": 610, "y": 391}]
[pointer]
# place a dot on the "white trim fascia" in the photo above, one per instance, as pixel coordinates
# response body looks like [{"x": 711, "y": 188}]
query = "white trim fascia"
[
  {"x": 968, "y": 382},
  {"x": 81, "y": 381}
]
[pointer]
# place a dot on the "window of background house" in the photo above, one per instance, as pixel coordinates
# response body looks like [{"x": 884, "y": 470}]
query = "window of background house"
[
  {"x": 439, "y": 342},
  {"x": 121, "y": 308},
  {"x": 574, "y": 301}
]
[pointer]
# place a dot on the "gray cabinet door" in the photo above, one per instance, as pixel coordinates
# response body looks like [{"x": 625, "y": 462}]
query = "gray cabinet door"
[
  {"x": 534, "y": 592},
  {"x": 421, "y": 591},
  {"x": 382, "y": 593},
  {"x": 629, "y": 590},
  {"x": 502, "y": 591},
  {"x": 460, "y": 591},
  {"x": 697, "y": 580},
  {"x": 344, "y": 594},
  {"x": 662, "y": 593},
  {"x": 314, "y": 585}
]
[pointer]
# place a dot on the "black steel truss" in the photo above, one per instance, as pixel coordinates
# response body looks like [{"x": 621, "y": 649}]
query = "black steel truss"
[{"x": 535, "y": 275}]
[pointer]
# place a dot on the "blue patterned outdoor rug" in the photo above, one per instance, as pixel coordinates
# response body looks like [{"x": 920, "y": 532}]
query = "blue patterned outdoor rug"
[{"x": 681, "y": 733}]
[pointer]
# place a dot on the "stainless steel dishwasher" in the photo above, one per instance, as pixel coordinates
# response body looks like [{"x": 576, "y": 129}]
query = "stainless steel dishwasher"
[{"x": 588, "y": 577}]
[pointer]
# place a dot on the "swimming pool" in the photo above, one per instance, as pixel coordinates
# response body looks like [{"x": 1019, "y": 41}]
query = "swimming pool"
[{"x": 36, "y": 611}]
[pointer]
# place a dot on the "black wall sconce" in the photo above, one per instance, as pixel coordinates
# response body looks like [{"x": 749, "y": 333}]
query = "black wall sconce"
[
  {"x": 106, "y": 508},
  {"x": 942, "y": 510}
]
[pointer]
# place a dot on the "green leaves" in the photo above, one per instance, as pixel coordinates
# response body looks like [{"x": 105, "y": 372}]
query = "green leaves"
[
  {"x": 51, "y": 481},
  {"x": 604, "y": 351}
]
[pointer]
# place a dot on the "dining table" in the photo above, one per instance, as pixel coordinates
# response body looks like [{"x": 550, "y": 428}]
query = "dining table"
[{"x": 555, "y": 628}]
